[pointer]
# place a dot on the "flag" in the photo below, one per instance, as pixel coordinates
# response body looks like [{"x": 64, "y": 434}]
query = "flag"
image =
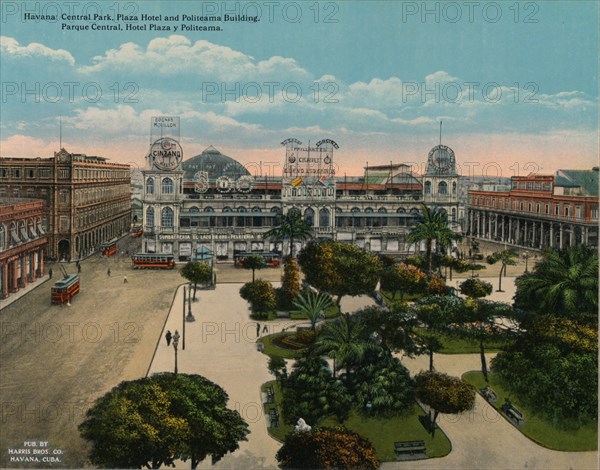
[
  {"x": 324, "y": 181},
  {"x": 296, "y": 182}
]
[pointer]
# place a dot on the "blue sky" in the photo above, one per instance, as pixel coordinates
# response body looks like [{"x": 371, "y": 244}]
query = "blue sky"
[{"x": 514, "y": 82}]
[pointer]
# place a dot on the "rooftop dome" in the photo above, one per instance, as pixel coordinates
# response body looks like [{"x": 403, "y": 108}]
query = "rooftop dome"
[{"x": 215, "y": 163}]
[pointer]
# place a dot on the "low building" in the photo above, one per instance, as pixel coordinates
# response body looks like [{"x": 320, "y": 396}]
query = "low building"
[
  {"x": 23, "y": 241},
  {"x": 538, "y": 211},
  {"x": 88, "y": 200}
]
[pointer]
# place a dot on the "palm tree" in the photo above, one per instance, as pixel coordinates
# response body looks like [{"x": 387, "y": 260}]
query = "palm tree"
[
  {"x": 313, "y": 305},
  {"x": 507, "y": 257},
  {"x": 563, "y": 283},
  {"x": 291, "y": 227},
  {"x": 345, "y": 341},
  {"x": 432, "y": 225}
]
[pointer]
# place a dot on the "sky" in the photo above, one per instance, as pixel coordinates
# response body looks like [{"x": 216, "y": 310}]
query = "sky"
[{"x": 515, "y": 83}]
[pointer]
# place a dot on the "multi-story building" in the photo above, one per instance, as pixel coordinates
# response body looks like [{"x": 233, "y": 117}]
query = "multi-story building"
[
  {"x": 23, "y": 241},
  {"x": 539, "y": 211},
  {"x": 87, "y": 198},
  {"x": 213, "y": 202}
]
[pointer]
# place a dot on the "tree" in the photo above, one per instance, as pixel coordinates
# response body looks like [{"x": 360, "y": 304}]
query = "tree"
[
  {"x": 507, "y": 258},
  {"x": 327, "y": 448},
  {"x": 313, "y": 305},
  {"x": 155, "y": 420},
  {"x": 260, "y": 294},
  {"x": 432, "y": 225},
  {"x": 403, "y": 278},
  {"x": 562, "y": 283},
  {"x": 346, "y": 341},
  {"x": 277, "y": 367},
  {"x": 291, "y": 227},
  {"x": 393, "y": 328},
  {"x": 254, "y": 262},
  {"x": 444, "y": 394},
  {"x": 290, "y": 284},
  {"x": 196, "y": 272},
  {"x": 552, "y": 369},
  {"x": 339, "y": 268},
  {"x": 475, "y": 288}
]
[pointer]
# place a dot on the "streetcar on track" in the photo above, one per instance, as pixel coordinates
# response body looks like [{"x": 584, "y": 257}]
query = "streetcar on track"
[
  {"x": 64, "y": 290},
  {"x": 152, "y": 261},
  {"x": 108, "y": 249}
]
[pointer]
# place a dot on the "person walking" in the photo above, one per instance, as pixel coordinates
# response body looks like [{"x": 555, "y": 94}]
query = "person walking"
[
  {"x": 50, "y": 273},
  {"x": 257, "y": 329},
  {"x": 124, "y": 279},
  {"x": 265, "y": 329},
  {"x": 168, "y": 337},
  {"x": 108, "y": 272}
]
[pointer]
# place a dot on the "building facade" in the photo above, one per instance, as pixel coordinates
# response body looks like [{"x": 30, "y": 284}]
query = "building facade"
[
  {"x": 87, "y": 199},
  {"x": 212, "y": 202},
  {"x": 23, "y": 241},
  {"x": 538, "y": 211}
]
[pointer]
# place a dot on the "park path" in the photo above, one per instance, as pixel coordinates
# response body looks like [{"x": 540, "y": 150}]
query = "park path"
[{"x": 221, "y": 345}]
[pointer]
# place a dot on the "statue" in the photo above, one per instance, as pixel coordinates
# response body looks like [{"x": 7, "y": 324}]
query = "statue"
[{"x": 302, "y": 426}]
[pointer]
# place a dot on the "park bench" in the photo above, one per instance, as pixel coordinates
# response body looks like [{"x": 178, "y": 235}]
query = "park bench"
[
  {"x": 410, "y": 450},
  {"x": 270, "y": 395},
  {"x": 489, "y": 394},
  {"x": 274, "y": 418},
  {"x": 512, "y": 413}
]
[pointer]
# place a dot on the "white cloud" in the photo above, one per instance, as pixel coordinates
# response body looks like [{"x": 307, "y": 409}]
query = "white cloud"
[{"x": 12, "y": 48}]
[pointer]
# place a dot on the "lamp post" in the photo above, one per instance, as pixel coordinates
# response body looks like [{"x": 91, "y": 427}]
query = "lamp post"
[
  {"x": 526, "y": 256},
  {"x": 190, "y": 317},
  {"x": 175, "y": 344}
]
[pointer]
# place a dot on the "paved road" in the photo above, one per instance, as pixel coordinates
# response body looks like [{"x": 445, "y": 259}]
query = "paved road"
[{"x": 56, "y": 360}]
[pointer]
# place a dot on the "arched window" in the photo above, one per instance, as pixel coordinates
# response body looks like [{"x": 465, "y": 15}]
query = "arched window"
[
  {"x": 383, "y": 220},
  {"x": 324, "y": 217},
  {"x": 167, "y": 186},
  {"x": 194, "y": 210},
  {"x": 443, "y": 187},
  {"x": 454, "y": 187},
  {"x": 427, "y": 187},
  {"x": 454, "y": 214},
  {"x": 309, "y": 216},
  {"x": 150, "y": 216},
  {"x": 150, "y": 186},
  {"x": 166, "y": 218},
  {"x": 208, "y": 209},
  {"x": 355, "y": 218}
]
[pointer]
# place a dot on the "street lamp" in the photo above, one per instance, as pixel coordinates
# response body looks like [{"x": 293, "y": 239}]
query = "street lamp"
[
  {"x": 526, "y": 257},
  {"x": 369, "y": 406},
  {"x": 175, "y": 344},
  {"x": 190, "y": 317}
]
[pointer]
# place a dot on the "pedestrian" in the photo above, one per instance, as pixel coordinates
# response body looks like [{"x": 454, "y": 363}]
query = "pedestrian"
[
  {"x": 124, "y": 279},
  {"x": 50, "y": 273},
  {"x": 78, "y": 267},
  {"x": 108, "y": 272},
  {"x": 168, "y": 337},
  {"x": 257, "y": 329},
  {"x": 265, "y": 329}
]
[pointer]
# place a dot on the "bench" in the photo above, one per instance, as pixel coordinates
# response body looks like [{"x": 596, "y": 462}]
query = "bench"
[
  {"x": 489, "y": 394},
  {"x": 274, "y": 418},
  {"x": 512, "y": 413},
  {"x": 410, "y": 450},
  {"x": 270, "y": 395}
]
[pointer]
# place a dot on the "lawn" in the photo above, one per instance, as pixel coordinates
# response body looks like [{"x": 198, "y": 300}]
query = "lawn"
[
  {"x": 382, "y": 432},
  {"x": 273, "y": 350},
  {"x": 330, "y": 312},
  {"x": 452, "y": 344},
  {"x": 537, "y": 428}
]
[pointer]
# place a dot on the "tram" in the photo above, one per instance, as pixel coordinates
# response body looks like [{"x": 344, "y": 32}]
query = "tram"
[
  {"x": 272, "y": 259},
  {"x": 137, "y": 231},
  {"x": 108, "y": 249},
  {"x": 64, "y": 290},
  {"x": 152, "y": 261}
]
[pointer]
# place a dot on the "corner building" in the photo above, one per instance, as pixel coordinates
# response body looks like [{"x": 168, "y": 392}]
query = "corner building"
[
  {"x": 87, "y": 199},
  {"x": 211, "y": 201}
]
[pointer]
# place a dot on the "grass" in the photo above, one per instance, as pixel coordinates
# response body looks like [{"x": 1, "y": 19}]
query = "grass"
[
  {"x": 573, "y": 438},
  {"x": 382, "y": 432},
  {"x": 330, "y": 312},
  {"x": 273, "y": 350},
  {"x": 452, "y": 344}
]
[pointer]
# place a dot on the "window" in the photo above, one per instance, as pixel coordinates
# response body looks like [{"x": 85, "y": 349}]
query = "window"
[
  {"x": 309, "y": 217},
  {"x": 556, "y": 209},
  {"x": 16, "y": 173},
  {"x": 150, "y": 186},
  {"x": 167, "y": 186},
  {"x": 521, "y": 207},
  {"x": 547, "y": 209},
  {"x": 537, "y": 208},
  {"x": 427, "y": 187},
  {"x": 150, "y": 217},
  {"x": 324, "y": 218},
  {"x": 167, "y": 216},
  {"x": 4, "y": 172},
  {"x": 30, "y": 173},
  {"x": 2, "y": 237},
  {"x": 530, "y": 186},
  {"x": 442, "y": 188},
  {"x": 567, "y": 211},
  {"x": 454, "y": 187}
]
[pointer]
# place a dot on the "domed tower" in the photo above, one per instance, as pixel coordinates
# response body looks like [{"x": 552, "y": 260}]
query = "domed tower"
[{"x": 440, "y": 182}]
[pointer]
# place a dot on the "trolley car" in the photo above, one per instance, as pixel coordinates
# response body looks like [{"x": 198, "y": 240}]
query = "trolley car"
[
  {"x": 108, "y": 249},
  {"x": 272, "y": 259},
  {"x": 65, "y": 289},
  {"x": 152, "y": 261},
  {"x": 137, "y": 231}
]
